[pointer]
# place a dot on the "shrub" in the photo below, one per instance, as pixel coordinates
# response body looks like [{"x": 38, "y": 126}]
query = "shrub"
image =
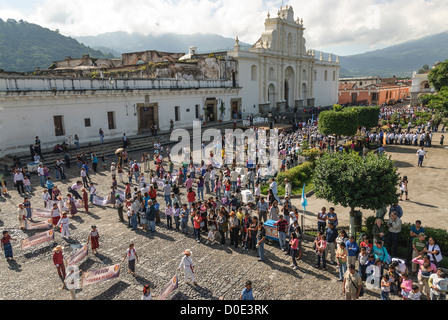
[
  {"x": 342, "y": 123},
  {"x": 296, "y": 175}
]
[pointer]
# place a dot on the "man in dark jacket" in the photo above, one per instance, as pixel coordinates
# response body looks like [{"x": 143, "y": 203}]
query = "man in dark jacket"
[{"x": 331, "y": 234}]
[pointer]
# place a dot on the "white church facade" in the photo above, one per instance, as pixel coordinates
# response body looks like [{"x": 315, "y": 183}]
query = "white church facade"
[{"x": 277, "y": 73}]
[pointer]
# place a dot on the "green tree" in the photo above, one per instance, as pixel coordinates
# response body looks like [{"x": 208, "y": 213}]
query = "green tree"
[
  {"x": 352, "y": 181},
  {"x": 338, "y": 107},
  {"x": 439, "y": 103},
  {"x": 438, "y": 77},
  {"x": 424, "y": 69},
  {"x": 367, "y": 116},
  {"x": 339, "y": 123}
]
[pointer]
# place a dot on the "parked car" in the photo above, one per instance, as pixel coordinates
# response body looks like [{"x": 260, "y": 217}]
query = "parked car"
[{"x": 392, "y": 102}]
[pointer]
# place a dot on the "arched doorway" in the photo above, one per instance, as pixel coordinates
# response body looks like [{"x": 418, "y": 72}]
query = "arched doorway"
[{"x": 289, "y": 87}]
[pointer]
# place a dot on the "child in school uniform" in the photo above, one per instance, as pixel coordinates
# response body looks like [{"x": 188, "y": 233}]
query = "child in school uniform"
[{"x": 415, "y": 293}]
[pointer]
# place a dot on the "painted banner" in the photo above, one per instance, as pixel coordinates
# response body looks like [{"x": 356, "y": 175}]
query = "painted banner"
[
  {"x": 41, "y": 213},
  {"x": 78, "y": 203},
  {"x": 78, "y": 256},
  {"x": 38, "y": 225},
  {"x": 160, "y": 183},
  {"x": 37, "y": 239},
  {"x": 170, "y": 287},
  {"x": 100, "y": 201},
  {"x": 122, "y": 195},
  {"x": 51, "y": 202},
  {"x": 99, "y": 275}
]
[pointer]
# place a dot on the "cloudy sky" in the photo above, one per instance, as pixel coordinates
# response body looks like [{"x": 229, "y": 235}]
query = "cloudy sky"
[{"x": 339, "y": 26}]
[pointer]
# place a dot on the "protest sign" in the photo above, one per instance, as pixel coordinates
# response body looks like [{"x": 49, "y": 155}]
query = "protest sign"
[
  {"x": 38, "y": 225},
  {"x": 169, "y": 287},
  {"x": 41, "y": 213},
  {"x": 99, "y": 275},
  {"x": 78, "y": 256},
  {"x": 37, "y": 239}
]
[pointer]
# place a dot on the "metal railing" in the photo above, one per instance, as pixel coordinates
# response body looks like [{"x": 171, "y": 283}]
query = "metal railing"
[{"x": 53, "y": 84}]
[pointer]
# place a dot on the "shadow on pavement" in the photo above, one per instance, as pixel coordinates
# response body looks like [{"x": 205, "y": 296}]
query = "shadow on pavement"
[
  {"x": 113, "y": 291},
  {"x": 422, "y": 204}
]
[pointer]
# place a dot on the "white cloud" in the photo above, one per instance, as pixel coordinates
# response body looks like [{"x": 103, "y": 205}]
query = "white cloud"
[{"x": 329, "y": 23}]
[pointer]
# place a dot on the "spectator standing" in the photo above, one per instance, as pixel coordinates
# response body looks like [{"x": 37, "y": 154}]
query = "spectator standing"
[
  {"x": 352, "y": 284},
  {"x": 393, "y": 234},
  {"x": 331, "y": 234}
]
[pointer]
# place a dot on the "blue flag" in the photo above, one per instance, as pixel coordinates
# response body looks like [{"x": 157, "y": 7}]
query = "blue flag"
[{"x": 304, "y": 201}]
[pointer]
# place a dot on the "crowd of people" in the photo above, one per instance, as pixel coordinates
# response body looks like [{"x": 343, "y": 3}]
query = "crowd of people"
[{"x": 206, "y": 202}]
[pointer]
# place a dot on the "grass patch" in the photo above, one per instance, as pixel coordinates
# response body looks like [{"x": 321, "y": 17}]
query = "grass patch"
[{"x": 295, "y": 191}]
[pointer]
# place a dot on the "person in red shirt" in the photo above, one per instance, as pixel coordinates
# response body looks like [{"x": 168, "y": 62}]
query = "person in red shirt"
[
  {"x": 127, "y": 190},
  {"x": 191, "y": 197},
  {"x": 197, "y": 225},
  {"x": 366, "y": 243},
  {"x": 152, "y": 193},
  {"x": 58, "y": 260}
]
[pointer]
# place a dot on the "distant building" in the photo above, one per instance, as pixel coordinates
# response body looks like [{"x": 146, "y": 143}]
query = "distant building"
[
  {"x": 368, "y": 91},
  {"x": 278, "y": 72},
  {"x": 420, "y": 86},
  {"x": 81, "y": 95}
]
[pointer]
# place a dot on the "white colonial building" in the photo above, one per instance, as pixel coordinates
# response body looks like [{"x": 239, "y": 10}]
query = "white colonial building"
[
  {"x": 279, "y": 72},
  {"x": 80, "y": 96}
]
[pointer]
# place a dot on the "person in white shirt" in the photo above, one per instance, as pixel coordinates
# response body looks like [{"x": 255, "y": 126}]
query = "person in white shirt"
[
  {"x": 40, "y": 173},
  {"x": 421, "y": 153},
  {"x": 64, "y": 223},
  {"x": 18, "y": 181},
  {"x": 131, "y": 255},
  {"x": 187, "y": 264},
  {"x": 74, "y": 189},
  {"x": 438, "y": 284},
  {"x": 45, "y": 196}
]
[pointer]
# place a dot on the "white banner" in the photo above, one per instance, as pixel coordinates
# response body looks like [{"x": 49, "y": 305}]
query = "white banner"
[
  {"x": 37, "y": 239},
  {"x": 99, "y": 275},
  {"x": 78, "y": 256},
  {"x": 41, "y": 213},
  {"x": 39, "y": 225},
  {"x": 100, "y": 201}
]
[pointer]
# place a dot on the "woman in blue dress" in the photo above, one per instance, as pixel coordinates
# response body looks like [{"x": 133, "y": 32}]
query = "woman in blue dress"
[{"x": 6, "y": 245}]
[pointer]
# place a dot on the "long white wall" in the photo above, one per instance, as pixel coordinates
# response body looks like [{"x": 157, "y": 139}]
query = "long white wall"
[{"x": 27, "y": 115}]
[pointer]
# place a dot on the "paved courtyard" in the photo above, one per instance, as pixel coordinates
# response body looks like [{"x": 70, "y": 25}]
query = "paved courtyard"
[{"x": 221, "y": 271}]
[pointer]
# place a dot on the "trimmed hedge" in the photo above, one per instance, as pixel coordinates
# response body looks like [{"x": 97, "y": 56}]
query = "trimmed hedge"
[
  {"x": 339, "y": 123},
  {"x": 367, "y": 116},
  {"x": 297, "y": 175}
]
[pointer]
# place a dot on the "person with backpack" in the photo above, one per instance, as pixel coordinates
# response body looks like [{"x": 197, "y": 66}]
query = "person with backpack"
[
  {"x": 136, "y": 168},
  {"x": 432, "y": 249},
  {"x": 352, "y": 284}
]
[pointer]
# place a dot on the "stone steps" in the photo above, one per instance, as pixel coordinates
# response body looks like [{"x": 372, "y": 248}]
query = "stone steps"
[{"x": 138, "y": 142}]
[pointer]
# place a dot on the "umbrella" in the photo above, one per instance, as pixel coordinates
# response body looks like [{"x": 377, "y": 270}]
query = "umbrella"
[{"x": 119, "y": 150}]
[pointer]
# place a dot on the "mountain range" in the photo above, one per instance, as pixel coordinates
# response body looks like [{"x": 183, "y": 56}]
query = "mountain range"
[
  {"x": 24, "y": 46},
  {"x": 399, "y": 60},
  {"x": 122, "y": 42}
]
